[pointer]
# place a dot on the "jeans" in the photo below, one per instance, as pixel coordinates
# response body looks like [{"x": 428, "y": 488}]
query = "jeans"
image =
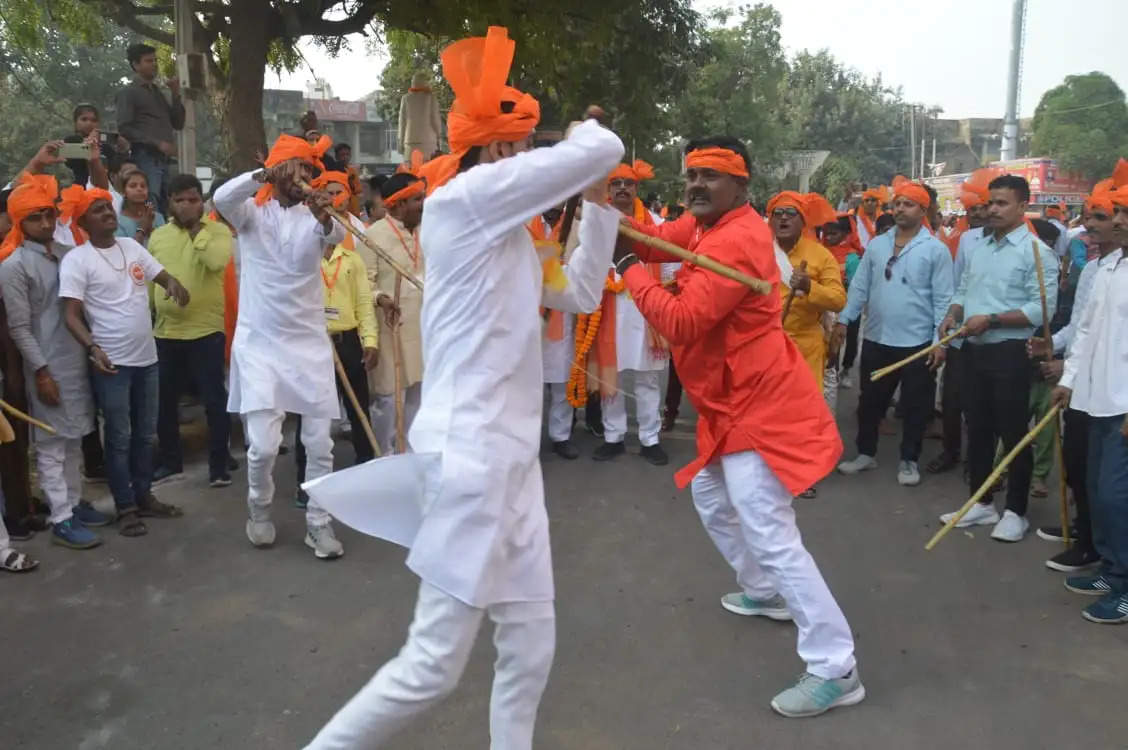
[
  {"x": 851, "y": 349},
  {"x": 155, "y": 166},
  {"x": 1075, "y": 453},
  {"x": 997, "y": 405},
  {"x": 198, "y": 361},
  {"x": 1108, "y": 495},
  {"x": 917, "y": 389},
  {"x": 128, "y": 400}
]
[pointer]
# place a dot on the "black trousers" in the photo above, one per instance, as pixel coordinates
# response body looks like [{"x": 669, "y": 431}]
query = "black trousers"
[
  {"x": 15, "y": 473},
  {"x": 917, "y": 389},
  {"x": 951, "y": 399},
  {"x": 1075, "y": 450},
  {"x": 93, "y": 457},
  {"x": 850, "y": 351},
  {"x": 673, "y": 391},
  {"x": 351, "y": 353},
  {"x": 198, "y": 362},
  {"x": 997, "y": 404}
]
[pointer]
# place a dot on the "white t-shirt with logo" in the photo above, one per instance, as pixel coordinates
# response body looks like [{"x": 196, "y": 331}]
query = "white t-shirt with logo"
[{"x": 111, "y": 283}]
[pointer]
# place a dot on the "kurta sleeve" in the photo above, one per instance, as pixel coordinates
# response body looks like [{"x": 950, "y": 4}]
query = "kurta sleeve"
[
  {"x": 587, "y": 266},
  {"x": 827, "y": 292},
  {"x": 232, "y": 198},
  {"x": 369, "y": 329},
  {"x": 14, "y": 282},
  {"x": 212, "y": 246},
  {"x": 1080, "y": 353}
]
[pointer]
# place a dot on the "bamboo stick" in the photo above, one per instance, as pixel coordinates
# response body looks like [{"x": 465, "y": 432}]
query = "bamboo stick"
[
  {"x": 344, "y": 221},
  {"x": 791, "y": 295},
  {"x": 1058, "y": 453},
  {"x": 993, "y": 476},
  {"x": 351, "y": 395},
  {"x": 759, "y": 286},
  {"x": 7, "y": 434},
  {"x": 397, "y": 364},
  {"x": 25, "y": 417},
  {"x": 882, "y": 372}
]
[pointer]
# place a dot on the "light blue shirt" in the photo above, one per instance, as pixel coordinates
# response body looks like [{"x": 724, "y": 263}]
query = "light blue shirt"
[
  {"x": 1000, "y": 276},
  {"x": 906, "y": 309},
  {"x": 968, "y": 240}
]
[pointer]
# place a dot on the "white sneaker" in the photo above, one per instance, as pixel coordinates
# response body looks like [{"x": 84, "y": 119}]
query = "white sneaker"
[
  {"x": 740, "y": 603},
  {"x": 858, "y": 465},
  {"x": 261, "y": 533},
  {"x": 844, "y": 380},
  {"x": 323, "y": 542},
  {"x": 979, "y": 515},
  {"x": 1011, "y": 528},
  {"x": 908, "y": 474}
]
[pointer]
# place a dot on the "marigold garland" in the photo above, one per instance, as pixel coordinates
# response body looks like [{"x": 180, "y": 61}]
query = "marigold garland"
[
  {"x": 615, "y": 287},
  {"x": 586, "y": 328}
]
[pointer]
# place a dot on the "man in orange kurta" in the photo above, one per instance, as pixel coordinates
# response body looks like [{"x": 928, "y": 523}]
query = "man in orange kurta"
[{"x": 764, "y": 432}]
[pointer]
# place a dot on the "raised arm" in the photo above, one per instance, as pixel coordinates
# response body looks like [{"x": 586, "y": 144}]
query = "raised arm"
[
  {"x": 587, "y": 266},
  {"x": 231, "y": 200}
]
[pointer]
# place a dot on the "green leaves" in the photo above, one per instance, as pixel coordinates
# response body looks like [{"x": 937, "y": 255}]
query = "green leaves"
[{"x": 1083, "y": 123}]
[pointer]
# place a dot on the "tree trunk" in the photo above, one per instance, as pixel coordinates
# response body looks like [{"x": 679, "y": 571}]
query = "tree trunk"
[{"x": 250, "y": 42}]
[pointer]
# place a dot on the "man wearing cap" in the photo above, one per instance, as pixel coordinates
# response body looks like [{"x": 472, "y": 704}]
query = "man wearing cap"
[
  {"x": 281, "y": 360},
  {"x": 626, "y": 343},
  {"x": 904, "y": 282},
  {"x": 482, "y": 546},
  {"x": 764, "y": 432},
  {"x": 999, "y": 305}
]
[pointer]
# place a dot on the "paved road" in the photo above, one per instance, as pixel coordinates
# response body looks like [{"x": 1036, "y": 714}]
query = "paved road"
[{"x": 189, "y": 638}]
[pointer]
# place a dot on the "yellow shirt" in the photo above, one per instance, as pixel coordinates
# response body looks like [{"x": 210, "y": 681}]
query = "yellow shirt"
[
  {"x": 198, "y": 263},
  {"x": 348, "y": 298},
  {"x": 804, "y": 322}
]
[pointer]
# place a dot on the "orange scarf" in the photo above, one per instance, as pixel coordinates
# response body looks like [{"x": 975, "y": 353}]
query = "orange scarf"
[{"x": 554, "y": 330}]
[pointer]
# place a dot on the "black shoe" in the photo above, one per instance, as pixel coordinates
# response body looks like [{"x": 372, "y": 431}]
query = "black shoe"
[
  {"x": 283, "y": 449},
  {"x": 223, "y": 480},
  {"x": 232, "y": 464},
  {"x": 301, "y": 500},
  {"x": 19, "y": 530},
  {"x": 565, "y": 449},
  {"x": 1073, "y": 559},
  {"x": 608, "y": 451},
  {"x": 809, "y": 494},
  {"x": 163, "y": 473},
  {"x": 1053, "y": 533},
  {"x": 654, "y": 454}
]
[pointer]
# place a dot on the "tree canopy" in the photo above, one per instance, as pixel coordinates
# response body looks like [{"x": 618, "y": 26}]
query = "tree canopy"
[{"x": 1083, "y": 123}]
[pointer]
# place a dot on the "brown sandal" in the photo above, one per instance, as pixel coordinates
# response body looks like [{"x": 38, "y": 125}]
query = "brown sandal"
[
  {"x": 154, "y": 508},
  {"x": 132, "y": 525}
]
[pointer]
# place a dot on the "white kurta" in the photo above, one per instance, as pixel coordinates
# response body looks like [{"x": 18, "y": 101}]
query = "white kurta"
[
  {"x": 484, "y": 539},
  {"x": 632, "y": 342},
  {"x": 280, "y": 358},
  {"x": 557, "y": 356}
]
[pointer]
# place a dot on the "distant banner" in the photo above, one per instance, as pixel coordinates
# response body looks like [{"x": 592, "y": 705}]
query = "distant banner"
[{"x": 335, "y": 109}]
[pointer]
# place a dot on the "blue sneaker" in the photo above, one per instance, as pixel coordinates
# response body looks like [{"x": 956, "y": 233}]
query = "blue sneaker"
[
  {"x": 1111, "y": 609},
  {"x": 90, "y": 516},
  {"x": 740, "y": 603},
  {"x": 813, "y": 695},
  {"x": 71, "y": 533},
  {"x": 1096, "y": 585},
  {"x": 301, "y": 500}
]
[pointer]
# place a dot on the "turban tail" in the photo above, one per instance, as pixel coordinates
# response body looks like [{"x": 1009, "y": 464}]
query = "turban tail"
[
  {"x": 476, "y": 70},
  {"x": 33, "y": 192},
  {"x": 290, "y": 147}
]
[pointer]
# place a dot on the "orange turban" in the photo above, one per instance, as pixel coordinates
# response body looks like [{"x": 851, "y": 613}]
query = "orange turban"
[
  {"x": 33, "y": 192},
  {"x": 880, "y": 192},
  {"x": 339, "y": 178},
  {"x": 76, "y": 201},
  {"x": 914, "y": 191},
  {"x": 723, "y": 160},
  {"x": 638, "y": 172},
  {"x": 414, "y": 188},
  {"x": 1056, "y": 212},
  {"x": 814, "y": 209},
  {"x": 476, "y": 70},
  {"x": 291, "y": 147},
  {"x": 1119, "y": 197},
  {"x": 1100, "y": 199}
]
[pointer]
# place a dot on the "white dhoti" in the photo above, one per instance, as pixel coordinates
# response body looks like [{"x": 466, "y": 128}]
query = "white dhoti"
[
  {"x": 58, "y": 460},
  {"x": 264, "y": 435},
  {"x": 560, "y": 413},
  {"x": 648, "y": 398},
  {"x": 382, "y": 414},
  {"x": 431, "y": 663},
  {"x": 748, "y": 514}
]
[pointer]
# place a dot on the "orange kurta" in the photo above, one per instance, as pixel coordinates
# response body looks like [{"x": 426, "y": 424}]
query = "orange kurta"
[
  {"x": 746, "y": 379},
  {"x": 804, "y": 321}
]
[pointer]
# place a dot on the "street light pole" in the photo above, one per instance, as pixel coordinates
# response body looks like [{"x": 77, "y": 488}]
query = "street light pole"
[{"x": 186, "y": 139}]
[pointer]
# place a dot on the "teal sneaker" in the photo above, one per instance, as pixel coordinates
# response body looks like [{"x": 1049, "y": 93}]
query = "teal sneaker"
[
  {"x": 813, "y": 695},
  {"x": 90, "y": 516},
  {"x": 1096, "y": 585},
  {"x": 71, "y": 533},
  {"x": 741, "y": 604},
  {"x": 1108, "y": 610}
]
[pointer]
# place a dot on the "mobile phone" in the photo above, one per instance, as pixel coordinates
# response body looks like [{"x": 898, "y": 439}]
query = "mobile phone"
[{"x": 75, "y": 151}]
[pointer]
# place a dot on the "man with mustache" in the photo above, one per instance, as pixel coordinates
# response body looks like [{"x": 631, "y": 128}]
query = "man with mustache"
[
  {"x": 625, "y": 343},
  {"x": 905, "y": 284},
  {"x": 764, "y": 432},
  {"x": 868, "y": 213}
]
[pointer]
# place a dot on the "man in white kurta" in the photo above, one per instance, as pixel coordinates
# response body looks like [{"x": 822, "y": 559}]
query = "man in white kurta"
[
  {"x": 558, "y": 344},
  {"x": 483, "y": 546},
  {"x": 281, "y": 360}
]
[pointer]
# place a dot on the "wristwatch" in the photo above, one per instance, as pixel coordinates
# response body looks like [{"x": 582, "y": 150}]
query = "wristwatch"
[
  {"x": 626, "y": 262},
  {"x": 995, "y": 321}
]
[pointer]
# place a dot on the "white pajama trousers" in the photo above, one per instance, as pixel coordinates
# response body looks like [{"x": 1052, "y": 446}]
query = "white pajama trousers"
[
  {"x": 59, "y": 461},
  {"x": 648, "y": 397},
  {"x": 382, "y": 414},
  {"x": 747, "y": 513},
  {"x": 264, "y": 436},
  {"x": 560, "y": 413},
  {"x": 430, "y": 664}
]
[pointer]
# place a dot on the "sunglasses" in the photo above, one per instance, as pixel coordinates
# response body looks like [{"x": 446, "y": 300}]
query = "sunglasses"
[
  {"x": 788, "y": 212},
  {"x": 889, "y": 267}
]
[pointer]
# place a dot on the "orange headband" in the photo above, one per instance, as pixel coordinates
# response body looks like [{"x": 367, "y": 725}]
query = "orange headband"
[
  {"x": 340, "y": 178},
  {"x": 403, "y": 194},
  {"x": 638, "y": 171},
  {"x": 914, "y": 192},
  {"x": 32, "y": 193},
  {"x": 721, "y": 160}
]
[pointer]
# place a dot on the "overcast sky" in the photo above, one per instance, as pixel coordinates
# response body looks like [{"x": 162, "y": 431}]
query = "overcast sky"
[{"x": 949, "y": 53}]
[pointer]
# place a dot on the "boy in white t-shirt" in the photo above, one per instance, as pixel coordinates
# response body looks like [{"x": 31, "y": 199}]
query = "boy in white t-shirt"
[{"x": 104, "y": 281}]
